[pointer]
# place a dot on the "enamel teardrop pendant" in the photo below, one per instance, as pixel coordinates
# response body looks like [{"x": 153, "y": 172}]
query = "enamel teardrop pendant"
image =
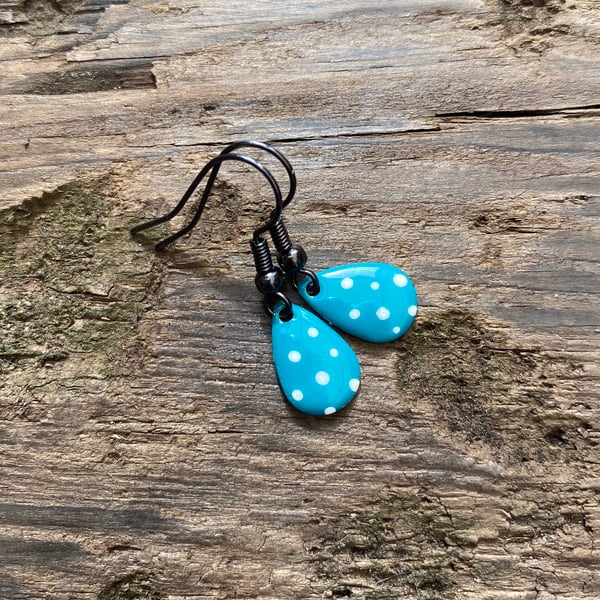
[
  {"x": 373, "y": 301},
  {"x": 317, "y": 370}
]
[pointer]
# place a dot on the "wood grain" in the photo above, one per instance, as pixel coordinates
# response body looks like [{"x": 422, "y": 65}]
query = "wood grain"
[{"x": 147, "y": 451}]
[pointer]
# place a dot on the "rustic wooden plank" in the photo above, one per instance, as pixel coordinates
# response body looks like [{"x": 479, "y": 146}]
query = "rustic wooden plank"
[{"x": 146, "y": 448}]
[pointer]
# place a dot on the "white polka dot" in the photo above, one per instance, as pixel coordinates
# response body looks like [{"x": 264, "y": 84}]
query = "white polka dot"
[
  {"x": 375, "y": 285},
  {"x": 297, "y": 395},
  {"x": 330, "y": 410},
  {"x": 334, "y": 352},
  {"x": 354, "y": 384},
  {"x": 294, "y": 356},
  {"x": 354, "y": 313},
  {"x": 322, "y": 378},
  {"x": 412, "y": 310},
  {"x": 383, "y": 313},
  {"x": 313, "y": 332},
  {"x": 396, "y": 330},
  {"x": 400, "y": 280},
  {"x": 347, "y": 283}
]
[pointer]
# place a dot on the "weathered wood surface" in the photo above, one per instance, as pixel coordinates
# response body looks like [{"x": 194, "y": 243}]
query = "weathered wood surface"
[{"x": 146, "y": 450}]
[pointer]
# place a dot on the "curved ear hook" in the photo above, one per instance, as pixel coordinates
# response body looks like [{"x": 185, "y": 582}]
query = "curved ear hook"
[
  {"x": 273, "y": 152},
  {"x": 215, "y": 163},
  {"x": 229, "y": 149}
]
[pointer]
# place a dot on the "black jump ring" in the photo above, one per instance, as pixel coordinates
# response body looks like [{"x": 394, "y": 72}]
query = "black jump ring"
[
  {"x": 313, "y": 288},
  {"x": 271, "y": 300}
]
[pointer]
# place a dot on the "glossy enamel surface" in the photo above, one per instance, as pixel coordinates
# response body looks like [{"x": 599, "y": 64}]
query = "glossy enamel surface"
[
  {"x": 373, "y": 301},
  {"x": 317, "y": 370}
]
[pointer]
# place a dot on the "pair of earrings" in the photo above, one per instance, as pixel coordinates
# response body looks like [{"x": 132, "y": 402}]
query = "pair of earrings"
[{"x": 318, "y": 371}]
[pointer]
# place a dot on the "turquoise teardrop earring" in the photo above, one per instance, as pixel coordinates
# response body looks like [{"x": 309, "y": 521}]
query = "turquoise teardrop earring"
[
  {"x": 317, "y": 370},
  {"x": 373, "y": 301}
]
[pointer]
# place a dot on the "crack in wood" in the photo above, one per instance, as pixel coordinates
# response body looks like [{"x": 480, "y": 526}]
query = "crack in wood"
[
  {"x": 118, "y": 75},
  {"x": 521, "y": 113}
]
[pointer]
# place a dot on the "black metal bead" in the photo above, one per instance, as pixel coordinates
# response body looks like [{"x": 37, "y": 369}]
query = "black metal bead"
[
  {"x": 294, "y": 259},
  {"x": 270, "y": 282}
]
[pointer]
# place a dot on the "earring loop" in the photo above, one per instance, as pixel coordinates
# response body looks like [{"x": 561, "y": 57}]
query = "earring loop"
[
  {"x": 271, "y": 301},
  {"x": 273, "y": 152},
  {"x": 210, "y": 166}
]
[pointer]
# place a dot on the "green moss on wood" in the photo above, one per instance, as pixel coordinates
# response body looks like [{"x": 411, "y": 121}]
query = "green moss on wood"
[
  {"x": 402, "y": 546},
  {"x": 135, "y": 586},
  {"x": 74, "y": 283}
]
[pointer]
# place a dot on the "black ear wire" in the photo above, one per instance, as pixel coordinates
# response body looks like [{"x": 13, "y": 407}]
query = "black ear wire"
[
  {"x": 269, "y": 279},
  {"x": 214, "y": 166},
  {"x": 210, "y": 166},
  {"x": 292, "y": 258}
]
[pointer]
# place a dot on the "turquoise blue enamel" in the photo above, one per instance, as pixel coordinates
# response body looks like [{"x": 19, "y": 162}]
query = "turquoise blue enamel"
[
  {"x": 318, "y": 371},
  {"x": 373, "y": 301}
]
